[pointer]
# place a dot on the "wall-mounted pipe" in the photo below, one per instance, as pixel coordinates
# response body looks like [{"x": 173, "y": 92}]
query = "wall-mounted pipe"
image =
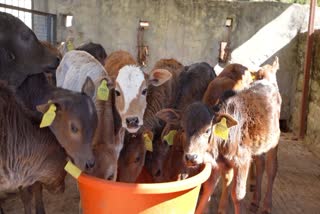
[{"x": 307, "y": 65}]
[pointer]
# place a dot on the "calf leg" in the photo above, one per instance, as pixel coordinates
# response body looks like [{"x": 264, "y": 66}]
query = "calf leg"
[
  {"x": 208, "y": 188},
  {"x": 272, "y": 168},
  {"x": 239, "y": 186},
  {"x": 259, "y": 164},
  {"x": 1, "y": 210},
  {"x": 252, "y": 176},
  {"x": 226, "y": 175},
  {"x": 37, "y": 190},
  {"x": 26, "y": 197}
]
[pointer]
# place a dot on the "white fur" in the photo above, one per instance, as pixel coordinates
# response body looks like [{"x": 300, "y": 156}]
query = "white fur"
[
  {"x": 75, "y": 67},
  {"x": 130, "y": 79}
]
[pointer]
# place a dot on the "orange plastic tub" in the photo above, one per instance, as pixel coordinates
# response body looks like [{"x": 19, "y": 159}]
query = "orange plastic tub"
[{"x": 105, "y": 197}]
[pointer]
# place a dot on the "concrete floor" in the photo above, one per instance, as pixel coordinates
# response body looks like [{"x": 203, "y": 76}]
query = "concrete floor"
[{"x": 296, "y": 189}]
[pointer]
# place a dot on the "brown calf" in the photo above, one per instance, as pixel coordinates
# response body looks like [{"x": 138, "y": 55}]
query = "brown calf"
[
  {"x": 131, "y": 86},
  {"x": 131, "y": 158},
  {"x": 192, "y": 83},
  {"x": 31, "y": 156},
  {"x": 254, "y": 131}
]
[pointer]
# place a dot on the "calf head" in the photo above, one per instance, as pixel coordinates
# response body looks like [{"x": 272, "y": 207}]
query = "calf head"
[
  {"x": 131, "y": 158},
  {"x": 162, "y": 147},
  {"x": 21, "y": 53},
  {"x": 107, "y": 155},
  {"x": 106, "y": 162},
  {"x": 131, "y": 91},
  {"x": 96, "y": 50},
  {"x": 268, "y": 72},
  {"x": 74, "y": 125},
  {"x": 198, "y": 123}
]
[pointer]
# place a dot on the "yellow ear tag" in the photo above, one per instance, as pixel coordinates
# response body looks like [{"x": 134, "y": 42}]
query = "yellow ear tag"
[
  {"x": 49, "y": 116},
  {"x": 170, "y": 136},
  {"x": 103, "y": 91},
  {"x": 70, "y": 46},
  {"x": 72, "y": 169},
  {"x": 221, "y": 130},
  {"x": 147, "y": 142}
]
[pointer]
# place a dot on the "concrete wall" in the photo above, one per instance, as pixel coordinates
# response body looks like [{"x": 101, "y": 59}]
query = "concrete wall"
[
  {"x": 188, "y": 30},
  {"x": 313, "y": 120}
]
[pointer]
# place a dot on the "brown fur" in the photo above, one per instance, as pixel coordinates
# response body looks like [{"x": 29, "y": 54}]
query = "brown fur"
[
  {"x": 32, "y": 155},
  {"x": 252, "y": 116},
  {"x": 131, "y": 158},
  {"x": 174, "y": 167},
  {"x": 233, "y": 77},
  {"x": 190, "y": 86},
  {"x": 116, "y": 60},
  {"x": 131, "y": 105},
  {"x": 163, "y": 96}
]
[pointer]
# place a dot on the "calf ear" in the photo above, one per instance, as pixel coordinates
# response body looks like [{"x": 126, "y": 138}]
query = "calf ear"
[
  {"x": 149, "y": 134},
  {"x": 109, "y": 82},
  {"x": 275, "y": 64},
  {"x": 88, "y": 87},
  {"x": 159, "y": 76},
  {"x": 169, "y": 116},
  {"x": 230, "y": 120},
  {"x": 43, "y": 108},
  {"x": 59, "y": 103}
]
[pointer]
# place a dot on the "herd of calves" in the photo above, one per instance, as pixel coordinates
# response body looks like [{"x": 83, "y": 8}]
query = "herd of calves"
[{"x": 115, "y": 120}]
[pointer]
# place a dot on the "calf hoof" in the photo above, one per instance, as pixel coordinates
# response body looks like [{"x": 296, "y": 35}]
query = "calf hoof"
[
  {"x": 252, "y": 188},
  {"x": 254, "y": 207}
]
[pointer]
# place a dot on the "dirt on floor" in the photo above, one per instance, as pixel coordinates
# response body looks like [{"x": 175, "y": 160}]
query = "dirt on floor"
[{"x": 296, "y": 189}]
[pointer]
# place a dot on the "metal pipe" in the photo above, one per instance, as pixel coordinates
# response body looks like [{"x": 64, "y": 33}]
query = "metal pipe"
[
  {"x": 26, "y": 10},
  {"x": 307, "y": 65}
]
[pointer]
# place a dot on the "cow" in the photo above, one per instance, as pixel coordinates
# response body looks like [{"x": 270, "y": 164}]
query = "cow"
[
  {"x": 131, "y": 158},
  {"x": 131, "y": 87},
  {"x": 32, "y": 158},
  {"x": 96, "y": 50},
  {"x": 191, "y": 85},
  {"x": 71, "y": 74},
  {"x": 158, "y": 98},
  {"x": 245, "y": 125},
  {"x": 21, "y": 53}
]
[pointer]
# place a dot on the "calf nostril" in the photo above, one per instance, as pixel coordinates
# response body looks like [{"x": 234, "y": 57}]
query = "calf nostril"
[
  {"x": 158, "y": 173},
  {"x": 90, "y": 164},
  {"x": 110, "y": 177},
  {"x": 190, "y": 157},
  {"x": 132, "y": 120}
]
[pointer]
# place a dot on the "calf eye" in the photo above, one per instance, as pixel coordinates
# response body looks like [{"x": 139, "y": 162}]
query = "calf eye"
[
  {"x": 74, "y": 129},
  {"x": 144, "y": 92},
  {"x": 208, "y": 131},
  {"x": 137, "y": 159},
  {"x": 117, "y": 93}
]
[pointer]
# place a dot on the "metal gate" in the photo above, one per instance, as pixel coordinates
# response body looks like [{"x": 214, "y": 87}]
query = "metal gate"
[{"x": 43, "y": 24}]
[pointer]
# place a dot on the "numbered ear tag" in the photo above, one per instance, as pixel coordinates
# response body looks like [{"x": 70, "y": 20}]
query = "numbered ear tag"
[
  {"x": 103, "y": 91},
  {"x": 221, "y": 129},
  {"x": 72, "y": 169},
  {"x": 170, "y": 137},
  {"x": 147, "y": 142},
  {"x": 49, "y": 116}
]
